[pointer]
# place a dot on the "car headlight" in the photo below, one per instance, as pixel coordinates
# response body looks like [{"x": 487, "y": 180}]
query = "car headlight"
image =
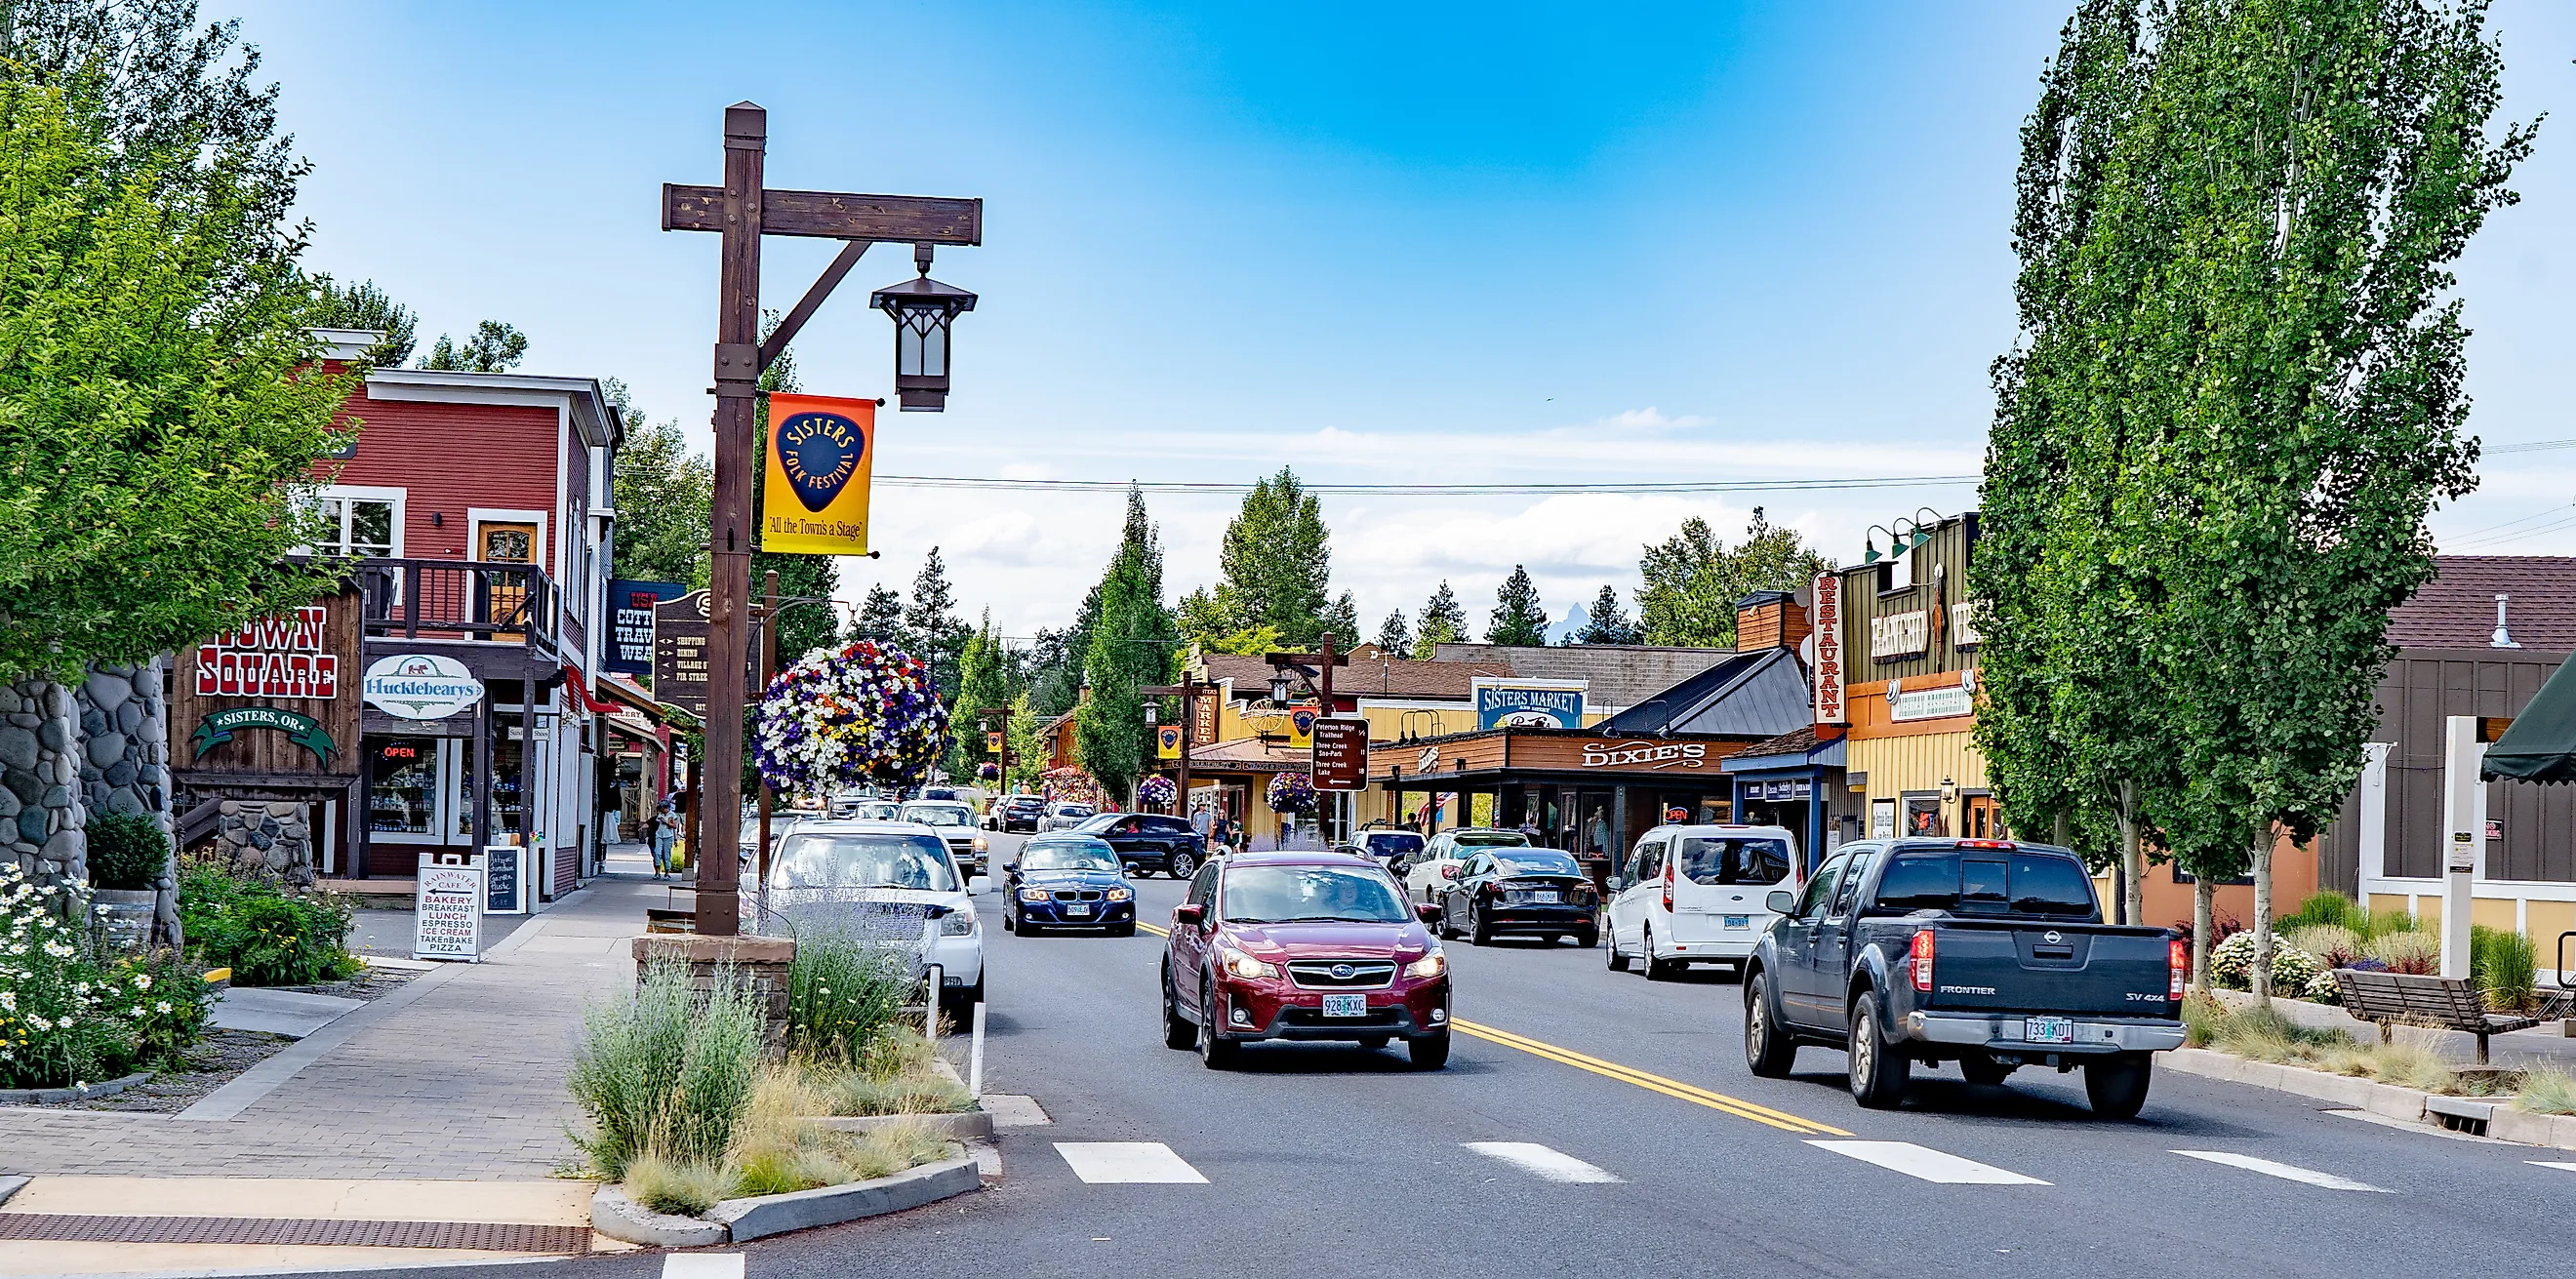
[
  {"x": 1431, "y": 965},
  {"x": 1120, "y": 894},
  {"x": 1033, "y": 894},
  {"x": 957, "y": 923},
  {"x": 979, "y": 843},
  {"x": 1243, "y": 965}
]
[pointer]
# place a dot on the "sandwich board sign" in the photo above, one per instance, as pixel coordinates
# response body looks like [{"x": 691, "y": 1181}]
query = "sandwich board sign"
[{"x": 447, "y": 907}]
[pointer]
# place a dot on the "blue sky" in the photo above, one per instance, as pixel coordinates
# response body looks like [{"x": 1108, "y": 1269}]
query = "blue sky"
[{"x": 1379, "y": 243}]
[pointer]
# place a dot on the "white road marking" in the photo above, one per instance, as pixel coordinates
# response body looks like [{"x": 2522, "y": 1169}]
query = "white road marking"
[
  {"x": 1554, "y": 1165},
  {"x": 2549, "y": 1163},
  {"x": 702, "y": 1265},
  {"x": 2283, "y": 1171},
  {"x": 1101, "y": 1162},
  {"x": 1927, "y": 1164}
]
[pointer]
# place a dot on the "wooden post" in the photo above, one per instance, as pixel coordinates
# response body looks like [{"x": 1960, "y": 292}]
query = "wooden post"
[{"x": 768, "y": 669}]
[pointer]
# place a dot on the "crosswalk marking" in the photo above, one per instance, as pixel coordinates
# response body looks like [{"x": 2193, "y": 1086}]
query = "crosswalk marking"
[
  {"x": 1100, "y": 1162},
  {"x": 2285, "y": 1172},
  {"x": 1554, "y": 1165},
  {"x": 702, "y": 1265},
  {"x": 1927, "y": 1164}
]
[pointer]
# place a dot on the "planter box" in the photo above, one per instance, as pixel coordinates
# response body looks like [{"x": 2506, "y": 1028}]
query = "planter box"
[
  {"x": 615, "y": 1215},
  {"x": 972, "y": 1125}
]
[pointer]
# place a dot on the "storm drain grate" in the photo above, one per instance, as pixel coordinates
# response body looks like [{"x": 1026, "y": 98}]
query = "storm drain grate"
[{"x": 488, "y": 1236}]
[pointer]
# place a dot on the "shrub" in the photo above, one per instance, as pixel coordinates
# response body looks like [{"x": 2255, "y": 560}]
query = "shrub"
[
  {"x": 687, "y": 1188},
  {"x": 842, "y": 993},
  {"x": 2323, "y": 908},
  {"x": 2380, "y": 923},
  {"x": 2232, "y": 964},
  {"x": 2503, "y": 967},
  {"x": 2407, "y": 952},
  {"x": 2547, "y": 1092},
  {"x": 66, "y": 1018},
  {"x": 2322, "y": 989},
  {"x": 894, "y": 1076},
  {"x": 2335, "y": 944},
  {"x": 665, "y": 1069},
  {"x": 126, "y": 851},
  {"x": 246, "y": 923}
]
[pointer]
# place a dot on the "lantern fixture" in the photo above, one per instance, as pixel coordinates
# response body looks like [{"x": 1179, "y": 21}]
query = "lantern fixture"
[
  {"x": 922, "y": 310},
  {"x": 1279, "y": 688},
  {"x": 1150, "y": 709}
]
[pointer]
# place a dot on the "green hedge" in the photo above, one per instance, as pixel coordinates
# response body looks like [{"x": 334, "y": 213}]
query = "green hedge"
[{"x": 248, "y": 924}]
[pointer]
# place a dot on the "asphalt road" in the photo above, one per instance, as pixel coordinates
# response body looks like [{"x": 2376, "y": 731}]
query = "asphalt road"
[{"x": 1324, "y": 1161}]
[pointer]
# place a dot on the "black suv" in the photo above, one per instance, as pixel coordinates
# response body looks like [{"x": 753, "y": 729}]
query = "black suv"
[
  {"x": 1017, "y": 812},
  {"x": 1151, "y": 842}
]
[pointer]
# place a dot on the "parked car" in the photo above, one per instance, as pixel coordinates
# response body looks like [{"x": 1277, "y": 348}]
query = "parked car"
[
  {"x": 889, "y": 881},
  {"x": 1384, "y": 845},
  {"x": 779, "y": 826},
  {"x": 1016, "y": 812},
  {"x": 1696, "y": 895},
  {"x": 1302, "y": 946},
  {"x": 1520, "y": 892},
  {"x": 1980, "y": 951},
  {"x": 1438, "y": 861},
  {"x": 955, "y": 822},
  {"x": 1151, "y": 841},
  {"x": 877, "y": 810},
  {"x": 1067, "y": 816},
  {"x": 1068, "y": 880}
]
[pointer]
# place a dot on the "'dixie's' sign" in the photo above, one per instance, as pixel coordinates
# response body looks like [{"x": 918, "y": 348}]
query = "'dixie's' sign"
[{"x": 279, "y": 657}]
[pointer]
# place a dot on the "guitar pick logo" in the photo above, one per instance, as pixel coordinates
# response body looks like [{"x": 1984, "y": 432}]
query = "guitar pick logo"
[{"x": 819, "y": 452}]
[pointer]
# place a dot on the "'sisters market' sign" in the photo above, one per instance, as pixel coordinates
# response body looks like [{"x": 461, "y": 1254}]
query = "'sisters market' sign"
[{"x": 280, "y": 657}]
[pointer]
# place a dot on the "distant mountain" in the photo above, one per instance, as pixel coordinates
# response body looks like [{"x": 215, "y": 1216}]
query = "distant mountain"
[{"x": 1575, "y": 619}]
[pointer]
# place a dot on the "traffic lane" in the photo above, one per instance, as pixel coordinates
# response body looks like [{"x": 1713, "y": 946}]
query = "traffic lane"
[{"x": 2039, "y": 1123}]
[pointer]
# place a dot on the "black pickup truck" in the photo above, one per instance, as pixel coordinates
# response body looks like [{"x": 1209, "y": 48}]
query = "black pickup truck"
[{"x": 1980, "y": 951}]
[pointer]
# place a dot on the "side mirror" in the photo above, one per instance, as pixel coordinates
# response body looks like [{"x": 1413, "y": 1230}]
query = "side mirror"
[
  {"x": 979, "y": 884},
  {"x": 1189, "y": 915},
  {"x": 1781, "y": 902},
  {"x": 1618, "y": 883},
  {"x": 1428, "y": 914}
]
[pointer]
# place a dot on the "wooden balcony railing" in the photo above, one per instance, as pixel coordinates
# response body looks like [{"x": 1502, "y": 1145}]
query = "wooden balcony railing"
[{"x": 460, "y": 599}]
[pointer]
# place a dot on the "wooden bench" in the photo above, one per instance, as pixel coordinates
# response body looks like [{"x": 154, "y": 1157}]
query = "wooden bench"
[{"x": 2409, "y": 999}]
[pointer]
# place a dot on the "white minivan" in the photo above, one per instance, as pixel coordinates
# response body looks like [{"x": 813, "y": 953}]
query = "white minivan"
[{"x": 1694, "y": 895}]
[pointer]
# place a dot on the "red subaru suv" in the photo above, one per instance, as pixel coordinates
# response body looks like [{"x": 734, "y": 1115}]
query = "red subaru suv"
[{"x": 1302, "y": 946}]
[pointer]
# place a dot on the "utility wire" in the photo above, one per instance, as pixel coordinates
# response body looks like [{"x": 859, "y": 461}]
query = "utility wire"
[{"x": 1429, "y": 490}]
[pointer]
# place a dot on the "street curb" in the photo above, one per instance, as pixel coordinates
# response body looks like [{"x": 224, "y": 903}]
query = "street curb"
[
  {"x": 2503, "y": 1121},
  {"x": 10, "y": 1186},
  {"x": 615, "y": 1215},
  {"x": 48, "y": 1096},
  {"x": 972, "y": 1125}
]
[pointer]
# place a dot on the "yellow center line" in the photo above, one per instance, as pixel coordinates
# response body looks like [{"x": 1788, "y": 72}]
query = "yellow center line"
[
  {"x": 1736, "y": 1106},
  {"x": 1159, "y": 932}
]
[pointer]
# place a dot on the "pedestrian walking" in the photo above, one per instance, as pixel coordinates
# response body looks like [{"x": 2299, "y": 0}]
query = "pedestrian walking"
[{"x": 666, "y": 836}]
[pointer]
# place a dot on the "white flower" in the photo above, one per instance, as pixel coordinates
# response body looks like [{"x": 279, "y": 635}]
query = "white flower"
[
  {"x": 143, "y": 981},
  {"x": 163, "y": 1006}
]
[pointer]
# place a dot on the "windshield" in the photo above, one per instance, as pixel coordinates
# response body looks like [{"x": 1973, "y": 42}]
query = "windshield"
[
  {"x": 938, "y": 815},
  {"x": 1537, "y": 861},
  {"x": 1068, "y": 854},
  {"x": 862, "y": 861},
  {"x": 1320, "y": 894},
  {"x": 1492, "y": 839},
  {"x": 2022, "y": 884},
  {"x": 1706, "y": 859},
  {"x": 1395, "y": 845}
]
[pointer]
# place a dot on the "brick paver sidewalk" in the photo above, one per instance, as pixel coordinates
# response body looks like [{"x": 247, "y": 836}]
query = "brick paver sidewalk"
[{"x": 462, "y": 1079}]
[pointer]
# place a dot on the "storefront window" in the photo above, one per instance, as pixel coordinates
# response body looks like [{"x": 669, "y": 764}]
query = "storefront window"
[
  {"x": 1923, "y": 816},
  {"x": 402, "y": 788}
]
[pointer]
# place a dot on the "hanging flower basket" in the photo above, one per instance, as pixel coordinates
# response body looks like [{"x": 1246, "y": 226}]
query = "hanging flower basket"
[
  {"x": 1157, "y": 792},
  {"x": 988, "y": 771},
  {"x": 1071, "y": 785},
  {"x": 1292, "y": 793},
  {"x": 861, "y": 715}
]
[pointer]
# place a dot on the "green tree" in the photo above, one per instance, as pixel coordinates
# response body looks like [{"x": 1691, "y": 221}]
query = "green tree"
[
  {"x": 1693, "y": 579},
  {"x": 1275, "y": 561},
  {"x": 1394, "y": 638},
  {"x": 662, "y": 489},
  {"x": 1520, "y": 617},
  {"x": 1606, "y": 622},
  {"x": 880, "y": 616},
  {"x": 983, "y": 684},
  {"x": 1443, "y": 622},
  {"x": 1109, "y": 725},
  {"x": 932, "y": 630},
  {"x": 158, "y": 417},
  {"x": 1342, "y": 622},
  {"x": 365, "y": 306},
  {"x": 494, "y": 348}
]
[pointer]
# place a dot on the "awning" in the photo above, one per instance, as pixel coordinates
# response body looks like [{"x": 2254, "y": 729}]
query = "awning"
[{"x": 2541, "y": 744}]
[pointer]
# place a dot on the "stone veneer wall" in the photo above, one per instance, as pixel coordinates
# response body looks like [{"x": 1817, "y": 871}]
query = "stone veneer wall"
[
  {"x": 267, "y": 836},
  {"x": 41, "y": 813},
  {"x": 125, "y": 759}
]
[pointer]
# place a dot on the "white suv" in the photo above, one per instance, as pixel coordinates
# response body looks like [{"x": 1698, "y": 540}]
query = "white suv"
[{"x": 1694, "y": 894}]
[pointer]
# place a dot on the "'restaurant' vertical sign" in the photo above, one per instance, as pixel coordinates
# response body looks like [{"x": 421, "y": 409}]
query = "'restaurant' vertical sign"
[
  {"x": 820, "y": 464},
  {"x": 1827, "y": 615}
]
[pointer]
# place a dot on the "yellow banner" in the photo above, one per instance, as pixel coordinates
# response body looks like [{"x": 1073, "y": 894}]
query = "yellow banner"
[
  {"x": 821, "y": 460},
  {"x": 1301, "y": 724},
  {"x": 1167, "y": 741}
]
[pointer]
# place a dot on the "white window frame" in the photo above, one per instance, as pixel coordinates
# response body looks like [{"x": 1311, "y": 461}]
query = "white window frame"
[
  {"x": 478, "y": 516},
  {"x": 341, "y": 495}
]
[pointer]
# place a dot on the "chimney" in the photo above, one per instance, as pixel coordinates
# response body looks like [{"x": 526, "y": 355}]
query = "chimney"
[
  {"x": 2502, "y": 637},
  {"x": 1769, "y": 619}
]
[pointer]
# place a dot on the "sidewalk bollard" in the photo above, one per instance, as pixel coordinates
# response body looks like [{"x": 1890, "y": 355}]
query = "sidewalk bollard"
[
  {"x": 930, "y": 1004},
  {"x": 975, "y": 1056}
]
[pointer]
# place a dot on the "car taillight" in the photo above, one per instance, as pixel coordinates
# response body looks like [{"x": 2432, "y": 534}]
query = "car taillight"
[
  {"x": 1668, "y": 888},
  {"x": 1448, "y": 872},
  {"x": 2178, "y": 968},
  {"x": 1921, "y": 950}
]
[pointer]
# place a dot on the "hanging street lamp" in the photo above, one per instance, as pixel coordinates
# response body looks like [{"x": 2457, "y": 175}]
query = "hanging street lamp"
[{"x": 922, "y": 310}]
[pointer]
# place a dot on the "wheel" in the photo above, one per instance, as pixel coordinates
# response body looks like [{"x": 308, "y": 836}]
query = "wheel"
[
  {"x": 2117, "y": 1085},
  {"x": 1008, "y": 922},
  {"x": 1656, "y": 969},
  {"x": 1767, "y": 1052},
  {"x": 1985, "y": 1071},
  {"x": 1429, "y": 1053},
  {"x": 1479, "y": 929},
  {"x": 1373, "y": 1042},
  {"x": 1587, "y": 939},
  {"x": 1127, "y": 929},
  {"x": 1215, "y": 1053},
  {"x": 1878, "y": 1071},
  {"x": 1182, "y": 865},
  {"x": 1177, "y": 1030},
  {"x": 1618, "y": 962},
  {"x": 1442, "y": 927}
]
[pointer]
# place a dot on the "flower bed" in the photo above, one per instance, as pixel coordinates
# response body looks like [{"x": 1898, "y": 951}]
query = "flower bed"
[
  {"x": 249, "y": 924},
  {"x": 69, "y": 1016}
]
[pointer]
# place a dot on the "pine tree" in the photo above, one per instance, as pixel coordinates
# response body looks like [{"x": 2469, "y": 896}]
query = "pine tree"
[
  {"x": 932, "y": 630},
  {"x": 1605, "y": 622},
  {"x": 1394, "y": 638},
  {"x": 1342, "y": 622},
  {"x": 1276, "y": 563},
  {"x": 880, "y": 616},
  {"x": 1443, "y": 622},
  {"x": 1520, "y": 617}
]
